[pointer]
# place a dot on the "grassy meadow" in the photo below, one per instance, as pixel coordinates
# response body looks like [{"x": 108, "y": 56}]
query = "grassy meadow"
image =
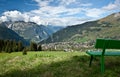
[{"x": 55, "y": 64}]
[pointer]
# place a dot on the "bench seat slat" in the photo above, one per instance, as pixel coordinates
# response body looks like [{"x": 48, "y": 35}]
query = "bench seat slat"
[{"x": 107, "y": 53}]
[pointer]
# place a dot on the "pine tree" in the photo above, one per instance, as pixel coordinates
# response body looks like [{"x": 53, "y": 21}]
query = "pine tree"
[
  {"x": 3, "y": 45},
  {"x": 7, "y": 46},
  {"x": 20, "y": 46},
  {"x": 39, "y": 48},
  {"x": 33, "y": 46},
  {"x": 0, "y": 45},
  {"x": 15, "y": 46}
]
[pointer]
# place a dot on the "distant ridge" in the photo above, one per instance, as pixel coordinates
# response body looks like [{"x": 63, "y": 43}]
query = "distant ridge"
[{"x": 108, "y": 27}]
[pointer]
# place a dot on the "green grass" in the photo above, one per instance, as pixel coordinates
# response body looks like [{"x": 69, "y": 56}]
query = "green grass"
[{"x": 55, "y": 64}]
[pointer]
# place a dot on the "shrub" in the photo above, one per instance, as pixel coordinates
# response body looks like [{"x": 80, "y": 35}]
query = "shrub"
[{"x": 24, "y": 51}]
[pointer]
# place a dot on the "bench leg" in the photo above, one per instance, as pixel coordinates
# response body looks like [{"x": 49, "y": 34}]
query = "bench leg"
[
  {"x": 90, "y": 61},
  {"x": 102, "y": 64}
]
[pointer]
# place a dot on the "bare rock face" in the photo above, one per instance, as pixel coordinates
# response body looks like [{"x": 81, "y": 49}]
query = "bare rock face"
[
  {"x": 8, "y": 34},
  {"x": 29, "y": 30},
  {"x": 117, "y": 14}
]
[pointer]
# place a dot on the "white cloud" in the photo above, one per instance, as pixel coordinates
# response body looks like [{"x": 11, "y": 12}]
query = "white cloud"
[
  {"x": 3, "y": 18},
  {"x": 98, "y": 12},
  {"x": 48, "y": 14},
  {"x": 66, "y": 21},
  {"x": 62, "y": 14},
  {"x": 112, "y": 6},
  {"x": 26, "y": 17},
  {"x": 94, "y": 12},
  {"x": 36, "y": 19},
  {"x": 55, "y": 12},
  {"x": 43, "y": 3},
  {"x": 67, "y": 2},
  {"x": 86, "y": 5},
  {"x": 14, "y": 16}
]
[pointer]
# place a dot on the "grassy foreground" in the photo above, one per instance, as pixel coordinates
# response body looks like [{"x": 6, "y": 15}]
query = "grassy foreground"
[{"x": 55, "y": 64}]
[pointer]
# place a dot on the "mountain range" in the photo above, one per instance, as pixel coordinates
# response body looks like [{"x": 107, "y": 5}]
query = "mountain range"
[
  {"x": 108, "y": 27},
  {"x": 8, "y": 34},
  {"x": 31, "y": 31}
]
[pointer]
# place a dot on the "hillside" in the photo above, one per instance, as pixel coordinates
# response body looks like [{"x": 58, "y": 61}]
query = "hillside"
[
  {"x": 108, "y": 27},
  {"x": 8, "y": 34}
]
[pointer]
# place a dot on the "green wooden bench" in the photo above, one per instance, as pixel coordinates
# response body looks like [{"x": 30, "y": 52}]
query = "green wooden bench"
[{"x": 104, "y": 44}]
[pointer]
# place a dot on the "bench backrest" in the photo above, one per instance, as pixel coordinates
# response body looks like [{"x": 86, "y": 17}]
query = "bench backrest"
[{"x": 107, "y": 44}]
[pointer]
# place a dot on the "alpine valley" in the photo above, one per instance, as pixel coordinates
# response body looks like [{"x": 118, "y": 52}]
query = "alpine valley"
[{"x": 108, "y": 27}]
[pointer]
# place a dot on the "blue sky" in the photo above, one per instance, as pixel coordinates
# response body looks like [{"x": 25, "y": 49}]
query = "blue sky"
[{"x": 57, "y": 12}]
